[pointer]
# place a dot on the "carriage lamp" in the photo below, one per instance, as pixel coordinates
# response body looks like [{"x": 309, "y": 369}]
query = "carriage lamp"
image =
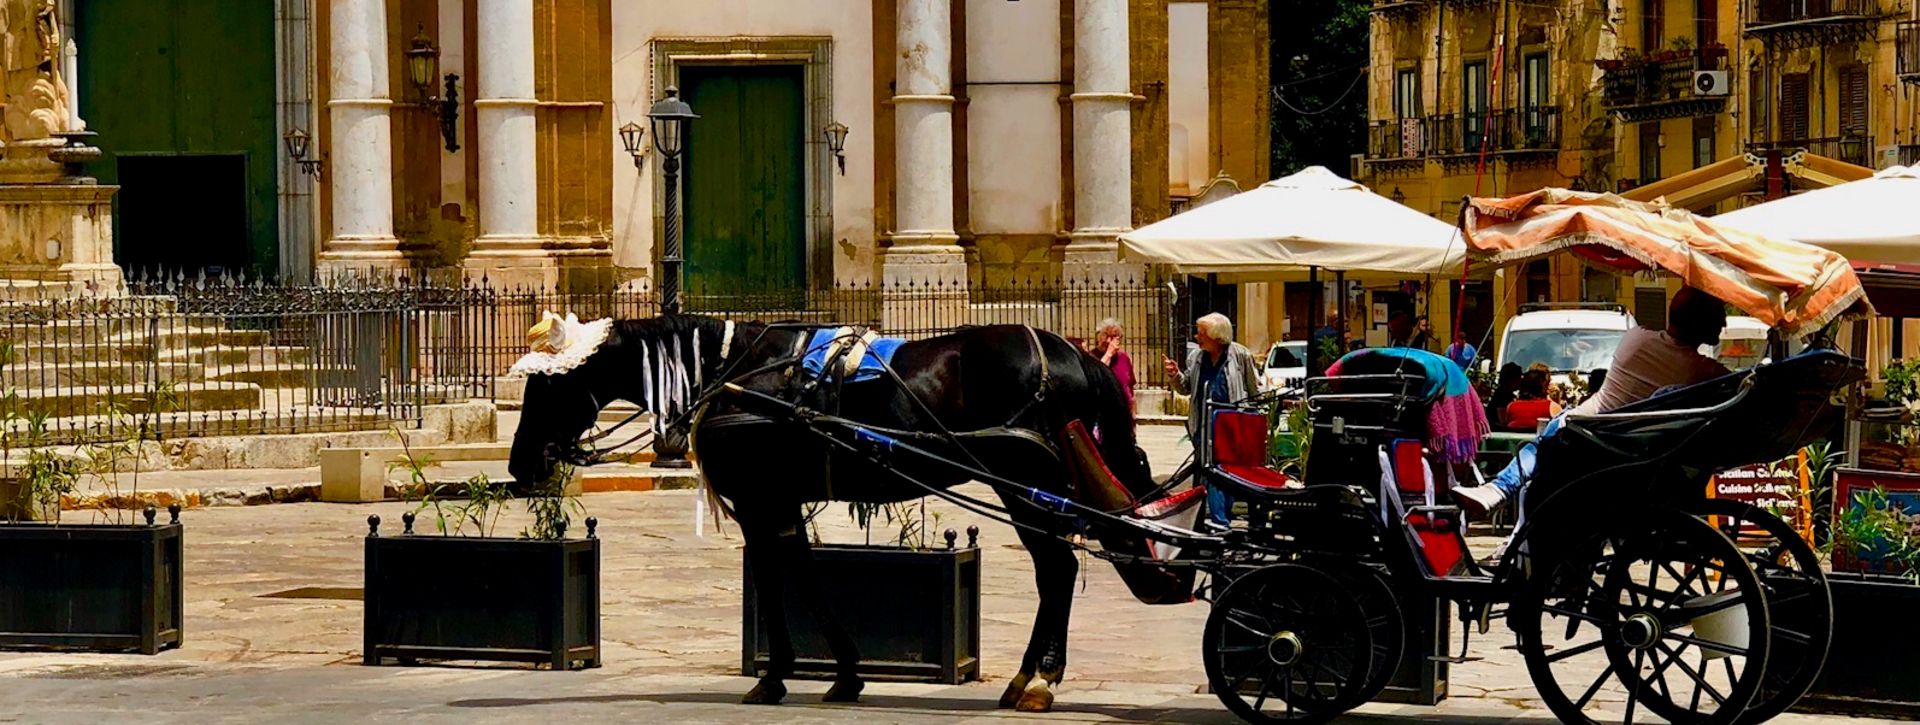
[
  {"x": 631, "y": 138},
  {"x": 423, "y": 60},
  {"x": 837, "y": 141},
  {"x": 298, "y": 144}
]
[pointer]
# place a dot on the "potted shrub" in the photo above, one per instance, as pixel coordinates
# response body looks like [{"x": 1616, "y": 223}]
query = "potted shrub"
[
  {"x": 463, "y": 593},
  {"x": 1875, "y": 552},
  {"x": 927, "y": 628},
  {"x": 112, "y": 585}
]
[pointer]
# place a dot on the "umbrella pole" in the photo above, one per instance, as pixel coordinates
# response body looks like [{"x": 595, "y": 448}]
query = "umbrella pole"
[{"x": 1314, "y": 363}]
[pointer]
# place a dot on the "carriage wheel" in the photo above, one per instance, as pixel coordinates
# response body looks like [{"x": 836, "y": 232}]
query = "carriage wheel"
[
  {"x": 1672, "y": 614},
  {"x": 1383, "y": 620},
  {"x": 1799, "y": 604},
  {"x": 1287, "y": 643}
]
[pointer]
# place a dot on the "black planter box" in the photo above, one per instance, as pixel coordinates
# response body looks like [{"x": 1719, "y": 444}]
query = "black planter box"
[
  {"x": 914, "y": 614},
  {"x": 467, "y": 598},
  {"x": 97, "y": 588},
  {"x": 1871, "y": 668},
  {"x": 1422, "y": 676}
]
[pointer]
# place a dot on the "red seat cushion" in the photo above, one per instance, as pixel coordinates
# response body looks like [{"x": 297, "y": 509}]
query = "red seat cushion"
[
  {"x": 1440, "y": 542},
  {"x": 1259, "y": 476},
  {"x": 1239, "y": 438}
]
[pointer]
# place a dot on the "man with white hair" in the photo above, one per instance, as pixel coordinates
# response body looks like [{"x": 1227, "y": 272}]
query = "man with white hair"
[{"x": 1218, "y": 370}]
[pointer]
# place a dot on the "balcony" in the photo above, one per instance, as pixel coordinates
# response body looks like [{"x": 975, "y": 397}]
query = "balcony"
[
  {"x": 1397, "y": 140},
  {"x": 1661, "y": 85},
  {"x": 1853, "y": 149},
  {"x": 1907, "y": 51},
  {"x": 1812, "y": 22},
  {"x": 1455, "y": 138},
  {"x": 1392, "y": 9}
]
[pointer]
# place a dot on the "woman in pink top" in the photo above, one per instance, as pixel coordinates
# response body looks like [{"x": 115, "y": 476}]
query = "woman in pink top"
[{"x": 1106, "y": 346}]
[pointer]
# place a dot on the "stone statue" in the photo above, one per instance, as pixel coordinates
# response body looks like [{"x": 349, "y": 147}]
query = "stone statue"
[{"x": 36, "y": 95}]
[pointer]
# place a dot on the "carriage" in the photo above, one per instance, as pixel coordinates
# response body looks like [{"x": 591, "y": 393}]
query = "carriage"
[{"x": 1622, "y": 572}]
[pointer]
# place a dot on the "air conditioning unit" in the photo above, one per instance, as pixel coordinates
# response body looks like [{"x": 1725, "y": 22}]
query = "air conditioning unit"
[{"x": 1711, "y": 83}]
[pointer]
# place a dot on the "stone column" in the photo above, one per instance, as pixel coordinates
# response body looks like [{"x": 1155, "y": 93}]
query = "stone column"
[
  {"x": 1102, "y": 129},
  {"x": 359, "y": 172},
  {"x": 503, "y": 111},
  {"x": 1102, "y": 168},
  {"x": 925, "y": 246}
]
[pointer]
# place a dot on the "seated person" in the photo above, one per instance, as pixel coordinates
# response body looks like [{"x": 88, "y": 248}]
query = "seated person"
[
  {"x": 1533, "y": 405},
  {"x": 1645, "y": 362}
]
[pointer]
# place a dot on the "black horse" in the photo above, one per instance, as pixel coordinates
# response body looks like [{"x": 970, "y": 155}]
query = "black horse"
[{"x": 1006, "y": 392}]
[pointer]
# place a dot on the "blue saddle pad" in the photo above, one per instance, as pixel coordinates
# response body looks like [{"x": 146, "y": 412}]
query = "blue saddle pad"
[{"x": 872, "y": 364}]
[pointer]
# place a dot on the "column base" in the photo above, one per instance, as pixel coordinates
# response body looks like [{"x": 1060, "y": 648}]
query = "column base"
[
  {"x": 1093, "y": 257},
  {"x": 924, "y": 264},
  {"x": 362, "y": 258},
  {"x": 923, "y": 290},
  {"x": 559, "y": 264}
]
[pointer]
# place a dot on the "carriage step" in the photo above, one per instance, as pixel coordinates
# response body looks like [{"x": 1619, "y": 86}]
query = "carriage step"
[{"x": 1449, "y": 659}]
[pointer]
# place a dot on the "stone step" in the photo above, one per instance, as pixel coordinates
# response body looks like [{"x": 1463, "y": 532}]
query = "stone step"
[
  {"x": 284, "y": 375},
  {"x": 96, "y": 373},
  {"x": 101, "y": 400},
  {"x": 163, "y": 333},
  {"x": 217, "y": 356}
]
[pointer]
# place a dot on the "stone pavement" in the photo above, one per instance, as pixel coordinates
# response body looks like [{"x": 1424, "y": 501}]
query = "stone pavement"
[{"x": 259, "y": 651}]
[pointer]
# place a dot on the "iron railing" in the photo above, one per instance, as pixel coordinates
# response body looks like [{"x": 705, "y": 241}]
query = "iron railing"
[
  {"x": 1853, "y": 149},
  {"x": 1664, "y": 79},
  {"x": 1910, "y": 154},
  {"x": 171, "y": 357},
  {"x": 1397, "y": 138},
  {"x": 1764, "y": 15},
  {"x": 1907, "y": 50}
]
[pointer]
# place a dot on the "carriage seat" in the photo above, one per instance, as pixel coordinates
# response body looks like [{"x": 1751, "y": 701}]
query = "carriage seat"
[
  {"x": 1239, "y": 453},
  {"x": 1409, "y": 493}
]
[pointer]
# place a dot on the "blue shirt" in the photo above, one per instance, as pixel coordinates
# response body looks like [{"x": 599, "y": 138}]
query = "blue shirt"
[
  {"x": 1462, "y": 354},
  {"x": 1212, "y": 378}
]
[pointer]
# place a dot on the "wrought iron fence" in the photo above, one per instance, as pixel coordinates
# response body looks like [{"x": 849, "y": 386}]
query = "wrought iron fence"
[
  {"x": 1907, "y": 49},
  {"x": 176, "y": 357},
  {"x": 1769, "y": 14}
]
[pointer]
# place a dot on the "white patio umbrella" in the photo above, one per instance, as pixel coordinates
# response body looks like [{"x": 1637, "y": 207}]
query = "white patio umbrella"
[
  {"x": 1875, "y": 219},
  {"x": 1311, "y": 220}
]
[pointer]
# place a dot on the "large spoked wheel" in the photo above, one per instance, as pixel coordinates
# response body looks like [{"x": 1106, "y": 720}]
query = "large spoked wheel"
[
  {"x": 1287, "y": 643},
  {"x": 1666, "y": 622},
  {"x": 1386, "y": 627},
  {"x": 1799, "y": 605}
]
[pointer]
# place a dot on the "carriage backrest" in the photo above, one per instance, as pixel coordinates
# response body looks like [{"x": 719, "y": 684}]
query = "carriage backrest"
[
  {"x": 1436, "y": 532},
  {"x": 1239, "y": 438}
]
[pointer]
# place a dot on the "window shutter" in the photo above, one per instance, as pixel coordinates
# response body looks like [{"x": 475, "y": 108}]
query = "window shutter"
[
  {"x": 1853, "y": 101},
  {"x": 1793, "y": 107}
]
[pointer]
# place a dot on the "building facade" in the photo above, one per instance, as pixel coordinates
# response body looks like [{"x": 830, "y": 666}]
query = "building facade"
[
  {"x": 985, "y": 140},
  {"x": 1500, "y": 97}
]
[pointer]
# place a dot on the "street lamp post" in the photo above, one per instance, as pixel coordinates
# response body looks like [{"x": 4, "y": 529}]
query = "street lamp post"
[{"x": 670, "y": 118}]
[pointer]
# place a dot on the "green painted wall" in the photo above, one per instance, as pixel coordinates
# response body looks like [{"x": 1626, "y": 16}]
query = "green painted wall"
[{"x": 185, "y": 77}]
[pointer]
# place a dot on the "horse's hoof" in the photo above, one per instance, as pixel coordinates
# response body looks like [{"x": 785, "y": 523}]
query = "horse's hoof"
[
  {"x": 845, "y": 690},
  {"x": 1015, "y": 687},
  {"x": 768, "y": 692},
  {"x": 1035, "y": 700}
]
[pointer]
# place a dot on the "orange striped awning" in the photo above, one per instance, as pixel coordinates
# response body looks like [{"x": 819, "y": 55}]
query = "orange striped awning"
[{"x": 1796, "y": 287}]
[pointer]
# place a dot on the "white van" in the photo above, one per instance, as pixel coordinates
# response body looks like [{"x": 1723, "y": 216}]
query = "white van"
[{"x": 1566, "y": 339}]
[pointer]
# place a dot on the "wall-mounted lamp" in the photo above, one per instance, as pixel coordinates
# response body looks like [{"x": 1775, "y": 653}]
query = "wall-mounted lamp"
[
  {"x": 837, "y": 141},
  {"x": 632, "y": 137},
  {"x": 423, "y": 61},
  {"x": 298, "y": 144},
  {"x": 1660, "y": 139}
]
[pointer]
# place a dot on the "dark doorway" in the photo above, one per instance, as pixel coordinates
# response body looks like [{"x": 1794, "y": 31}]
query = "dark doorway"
[
  {"x": 745, "y": 179},
  {"x": 182, "y": 213},
  {"x": 1473, "y": 312}
]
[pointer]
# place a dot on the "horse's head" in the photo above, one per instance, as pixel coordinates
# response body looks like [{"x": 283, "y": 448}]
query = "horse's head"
[{"x": 659, "y": 364}]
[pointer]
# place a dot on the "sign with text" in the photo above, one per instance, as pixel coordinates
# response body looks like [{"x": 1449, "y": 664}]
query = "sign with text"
[{"x": 1779, "y": 487}]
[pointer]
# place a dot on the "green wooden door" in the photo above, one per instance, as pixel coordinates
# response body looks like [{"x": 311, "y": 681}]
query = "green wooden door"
[
  {"x": 744, "y": 180},
  {"x": 182, "y": 95}
]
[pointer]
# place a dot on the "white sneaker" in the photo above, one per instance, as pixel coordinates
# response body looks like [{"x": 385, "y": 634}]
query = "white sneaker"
[{"x": 1478, "y": 500}]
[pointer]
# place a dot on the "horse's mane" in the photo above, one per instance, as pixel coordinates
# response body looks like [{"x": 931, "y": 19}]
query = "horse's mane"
[{"x": 670, "y": 356}]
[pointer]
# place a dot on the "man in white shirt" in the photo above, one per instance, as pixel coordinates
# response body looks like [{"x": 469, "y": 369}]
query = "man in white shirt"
[{"x": 1646, "y": 361}]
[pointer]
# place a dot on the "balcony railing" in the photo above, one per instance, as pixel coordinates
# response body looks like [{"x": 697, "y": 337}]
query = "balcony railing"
[
  {"x": 1780, "y": 15},
  {"x": 1853, "y": 149},
  {"x": 1907, "y": 50},
  {"x": 1910, "y": 154},
  {"x": 1396, "y": 138},
  {"x": 1661, "y": 85},
  {"x": 1509, "y": 130}
]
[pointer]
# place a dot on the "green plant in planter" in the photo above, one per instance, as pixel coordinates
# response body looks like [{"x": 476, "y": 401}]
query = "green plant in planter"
[
  {"x": 908, "y": 520},
  {"x": 1822, "y": 461},
  {"x": 1290, "y": 440},
  {"x": 1873, "y": 528},
  {"x": 473, "y": 507},
  {"x": 43, "y": 478}
]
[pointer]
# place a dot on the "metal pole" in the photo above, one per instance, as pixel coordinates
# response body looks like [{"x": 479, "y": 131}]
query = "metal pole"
[
  {"x": 670, "y": 258},
  {"x": 670, "y": 451}
]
